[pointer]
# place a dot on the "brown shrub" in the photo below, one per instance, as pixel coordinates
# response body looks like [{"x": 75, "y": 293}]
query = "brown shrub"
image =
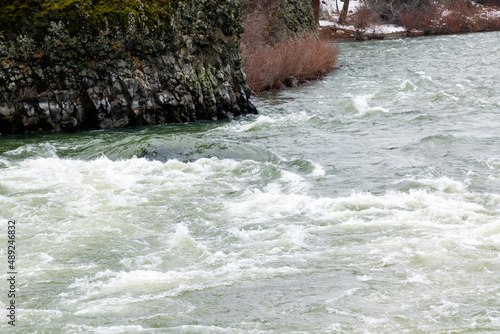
[
  {"x": 452, "y": 22},
  {"x": 486, "y": 20},
  {"x": 419, "y": 20},
  {"x": 280, "y": 60},
  {"x": 302, "y": 59},
  {"x": 457, "y": 17},
  {"x": 364, "y": 17},
  {"x": 451, "y": 18}
]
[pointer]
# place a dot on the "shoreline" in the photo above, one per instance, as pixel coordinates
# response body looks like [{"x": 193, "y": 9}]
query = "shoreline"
[
  {"x": 337, "y": 34},
  {"x": 342, "y": 34}
]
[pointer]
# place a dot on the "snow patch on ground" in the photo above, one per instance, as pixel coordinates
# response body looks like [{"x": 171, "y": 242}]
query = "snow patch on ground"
[
  {"x": 491, "y": 13},
  {"x": 325, "y": 23},
  {"x": 330, "y": 17},
  {"x": 386, "y": 29},
  {"x": 330, "y": 10}
]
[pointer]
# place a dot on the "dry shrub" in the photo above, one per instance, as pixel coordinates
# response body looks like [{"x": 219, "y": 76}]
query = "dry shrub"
[
  {"x": 278, "y": 60},
  {"x": 451, "y": 18},
  {"x": 456, "y": 18},
  {"x": 418, "y": 20},
  {"x": 287, "y": 63},
  {"x": 487, "y": 20},
  {"x": 364, "y": 17}
]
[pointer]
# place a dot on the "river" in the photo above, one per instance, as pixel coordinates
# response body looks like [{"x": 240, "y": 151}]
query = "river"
[{"x": 367, "y": 202}]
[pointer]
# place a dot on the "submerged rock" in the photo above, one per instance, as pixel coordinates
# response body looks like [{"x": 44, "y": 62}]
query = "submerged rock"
[{"x": 176, "y": 63}]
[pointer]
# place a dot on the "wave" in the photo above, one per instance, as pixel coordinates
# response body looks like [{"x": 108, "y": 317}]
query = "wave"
[
  {"x": 361, "y": 105},
  {"x": 263, "y": 121}
]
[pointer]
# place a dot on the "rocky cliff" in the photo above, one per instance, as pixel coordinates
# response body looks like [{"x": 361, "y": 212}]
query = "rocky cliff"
[{"x": 78, "y": 64}]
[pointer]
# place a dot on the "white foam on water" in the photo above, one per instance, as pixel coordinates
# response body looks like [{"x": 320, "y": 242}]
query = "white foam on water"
[
  {"x": 113, "y": 292},
  {"x": 386, "y": 29},
  {"x": 183, "y": 241},
  {"x": 442, "y": 95},
  {"x": 442, "y": 184},
  {"x": 100, "y": 197},
  {"x": 318, "y": 169},
  {"x": 149, "y": 261},
  {"x": 45, "y": 150},
  {"x": 407, "y": 86},
  {"x": 413, "y": 205},
  {"x": 364, "y": 278},
  {"x": 425, "y": 77},
  {"x": 4, "y": 163},
  {"x": 87, "y": 188},
  {"x": 495, "y": 321},
  {"x": 215, "y": 330},
  {"x": 288, "y": 183},
  {"x": 261, "y": 122},
  {"x": 71, "y": 328},
  {"x": 442, "y": 226},
  {"x": 418, "y": 278},
  {"x": 41, "y": 316},
  {"x": 264, "y": 121},
  {"x": 492, "y": 163},
  {"x": 362, "y": 104},
  {"x": 262, "y": 231}
]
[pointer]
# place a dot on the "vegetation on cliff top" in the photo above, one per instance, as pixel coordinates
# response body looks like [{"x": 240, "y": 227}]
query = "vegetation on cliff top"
[
  {"x": 34, "y": 17},
  {"x": 53, "y": 31}
]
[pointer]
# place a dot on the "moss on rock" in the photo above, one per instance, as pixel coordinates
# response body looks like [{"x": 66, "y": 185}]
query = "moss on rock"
[{"x": 33, "y": 17}]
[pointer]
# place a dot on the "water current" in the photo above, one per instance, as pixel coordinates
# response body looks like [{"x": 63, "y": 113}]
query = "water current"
[{"x": 367, "y": 202}]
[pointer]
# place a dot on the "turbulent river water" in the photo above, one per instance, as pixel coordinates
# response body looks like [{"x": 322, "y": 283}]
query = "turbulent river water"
[{"x": 368, "y": 202}]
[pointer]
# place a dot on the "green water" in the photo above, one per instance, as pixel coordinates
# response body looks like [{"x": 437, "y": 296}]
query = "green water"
[{"x": 367, "y": 202}]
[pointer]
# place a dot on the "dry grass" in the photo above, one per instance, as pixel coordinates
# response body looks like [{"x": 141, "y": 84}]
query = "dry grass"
[{"x": 287, "y": 63}]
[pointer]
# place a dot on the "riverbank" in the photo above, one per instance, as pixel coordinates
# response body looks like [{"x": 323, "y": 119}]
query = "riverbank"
[
  {"x": 366, "y": 20},
  {"x": 335, "y": 33}
]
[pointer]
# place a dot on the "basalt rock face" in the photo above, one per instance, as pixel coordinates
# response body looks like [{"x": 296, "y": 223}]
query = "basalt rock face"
[{"x": 180, "y": 64}]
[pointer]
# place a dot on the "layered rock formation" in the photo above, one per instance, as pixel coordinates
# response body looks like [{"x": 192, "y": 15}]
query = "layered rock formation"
[{"x": 87, "y": 65}]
